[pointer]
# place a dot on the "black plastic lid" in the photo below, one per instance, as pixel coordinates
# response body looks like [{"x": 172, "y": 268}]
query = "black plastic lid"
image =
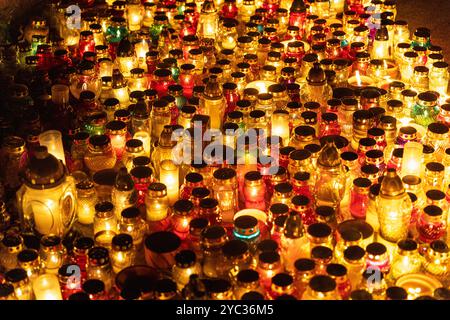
[
  {"x": 300, "y": 200},
  {"x": 321, "y": 252},
  {"x": 304, "y": 265},
  {"x": 27, "y": 255},
  {"x": 433, "y": 210},
  {"x": 252, "y": 295},
  {"x": 349, "y": 156},
  {"x": 130, "y": 293},
  {"x": 360, "y": 294},
  {"x": 354, "y": 253},
  {"x": 322, "y": 283},
  {"x": 336, "y": 270},
  {"x": 99, "y": 140},
  {"x": 185, "y": 258},
  {"x": 234, "y": 248},
  {"x": 245, "y": 222},
  {"x": 104, "y": 206},
  {"x": 214, "y": 232},
  {"x": 396, "y": 293},
  {"x": 304, "y": 131},
  {"x": 435, "y": 166},
  {"x": 247, "y": 276},
  {"x": 302, "y": 175},
  {"x": 224, "y": 173},
  {"x": 376, "y": 249},
  {"x": 279, "y": 208},
  {"x": 267, "y": 245},
  {"x": 284, "y": 187},
  {"x": 208, "y": 203},
  {"x": 435, "y": 194},
  {"x": 83, "y": 243},
  {"x": 93, "y": 286},
  {"x": 200, "y": 192},
  {"x": 282, "y": 279},
  {"x": 442, "y": 293},
  {"x": 12, "y": 240},
  {"x": 198, "y": 224},
  {"x": 16, "y": 275},
  {"x": 162, "y": 242},
  {"x": 319, "y": 230},
  {"x": 131, "y": 212}
]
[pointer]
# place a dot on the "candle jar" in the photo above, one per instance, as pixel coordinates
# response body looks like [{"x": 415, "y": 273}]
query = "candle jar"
[
  {"x": 247, "y": 281},
  {"x": 94, "y": 289},
  {"x": 186, "y": 264},
  {"x": 183, "y": 212},
  {"x": 46, "y": 287},
  {"x": 436, "y": 261},
  {"x": 406, "y": 260},
  {"x": 122, "y": 252},
  {"x": 376, "y": 286},
  {"x": 378, "y": 257},
  {"x": 338, "y": 273},
  {"x": 254, "y": 191},
  {"x": 7, "y": 292},
  {"x": 100, "y": 154},
  {"x": 86, "y": 78},
  {"x": 359, "y": 197},
  {"x": 425, "y": 111},
  {"x": 354, "y": 261},
  {"x": 57, "y": 214},
  {"x": 439, "y": 77},
  {"x": 52, "y": 139},
  {"x": 87, "y": 199},
  {"x": 86, "y": 42},
  {"x": 99, "y": 266},
  {"x": 235, "y": 257},
  {"x": 282, "y": 285},
  {"x": 212, "y": 240},
  {"x": 137, "y": 81},
  {"x": 192, "y": 180},
  {"x": 212, "y": 103},
  {"x": 169, "y": 175},
  {"x": 269, "y": 264},
  {"x": 321, "y": 287},
  {"x": 52, "y": 254},
  {"x": 157, "y": 202},
  {"x": 225, "y": 190},
  {"x": 133, "y": 148},
  {"x": 431, "y": 224},
  {"x": 393, "y": 207},
  {"x": 131, "y": 223},
  {"x": 28, "y": 260},
  {"x": 68, "y": 283},
  {"x": 434, "y": 176},
  {"x": 22, "y": 285},
  {"x": 186, "y": 79},
  {"x": 118, "y": 135},
  {"x": 161, "y": 117},
  {"x": 104, "y": 219},
  {"x": 437, "y": 137},
  {"x": 135, "y": 12}
]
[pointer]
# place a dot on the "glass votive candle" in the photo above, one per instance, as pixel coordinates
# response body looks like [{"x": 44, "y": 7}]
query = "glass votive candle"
[
  {"x": 52, "y": 139},
  {"x": 104, "y": 219},
  {"x": 122, "y": 252},
  {"x": 46, "y": 287}
]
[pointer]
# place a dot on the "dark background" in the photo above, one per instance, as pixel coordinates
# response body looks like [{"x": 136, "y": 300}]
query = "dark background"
[{"x": 433, "y": 14}]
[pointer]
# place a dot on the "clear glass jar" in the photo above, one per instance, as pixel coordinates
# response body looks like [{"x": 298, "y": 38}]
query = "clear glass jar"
[
  {"x": 157, "y": 202},
  {"x": 10, "y": 248},
  {"x": 437, "y": 261},
  {"x": 104, "y": 219},
  {"x": 86, "y": 79},
  {"x": 131, "y": 223},
  {"x": 406, "y": 259},
  {"x": 437, "y": 136},
  {"x": 186, "y": 264},
  {"x": 99, "y": 266},
  {"x": 133, "y": 148},
  {"x": 439, "y": 77},
  {"x": 212, "y": 240},
  {"x": 123, "y": 194},
  {"x": 52, "y": 253},
  {"x": 57, "y": 214},
  {"x": 122, "y": 252},
  {"x": 100, "y": 154},
  {"x": 294, "y": 243},
  {"x": 22, "y": 285},
  {"x": 225, "y": 190},
  {"x": 87, "y": 199},
  {"x": 29, "y": 260},
  {"x": 161, "y": 117},
  {"x": 321, "y": 287}
]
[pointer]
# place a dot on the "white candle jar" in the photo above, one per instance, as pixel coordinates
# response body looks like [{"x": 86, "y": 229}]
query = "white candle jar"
[{"x": 47, "y": 199}]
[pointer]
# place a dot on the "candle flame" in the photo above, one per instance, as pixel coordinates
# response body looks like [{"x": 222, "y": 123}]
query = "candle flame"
[{"x": 358, "y": 78}]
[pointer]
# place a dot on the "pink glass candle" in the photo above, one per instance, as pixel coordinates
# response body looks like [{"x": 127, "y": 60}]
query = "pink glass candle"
[{"x": 359, "y": 197}]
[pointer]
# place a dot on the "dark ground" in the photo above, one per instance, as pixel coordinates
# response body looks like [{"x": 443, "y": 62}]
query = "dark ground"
[{"x": 433, "y": 14}]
